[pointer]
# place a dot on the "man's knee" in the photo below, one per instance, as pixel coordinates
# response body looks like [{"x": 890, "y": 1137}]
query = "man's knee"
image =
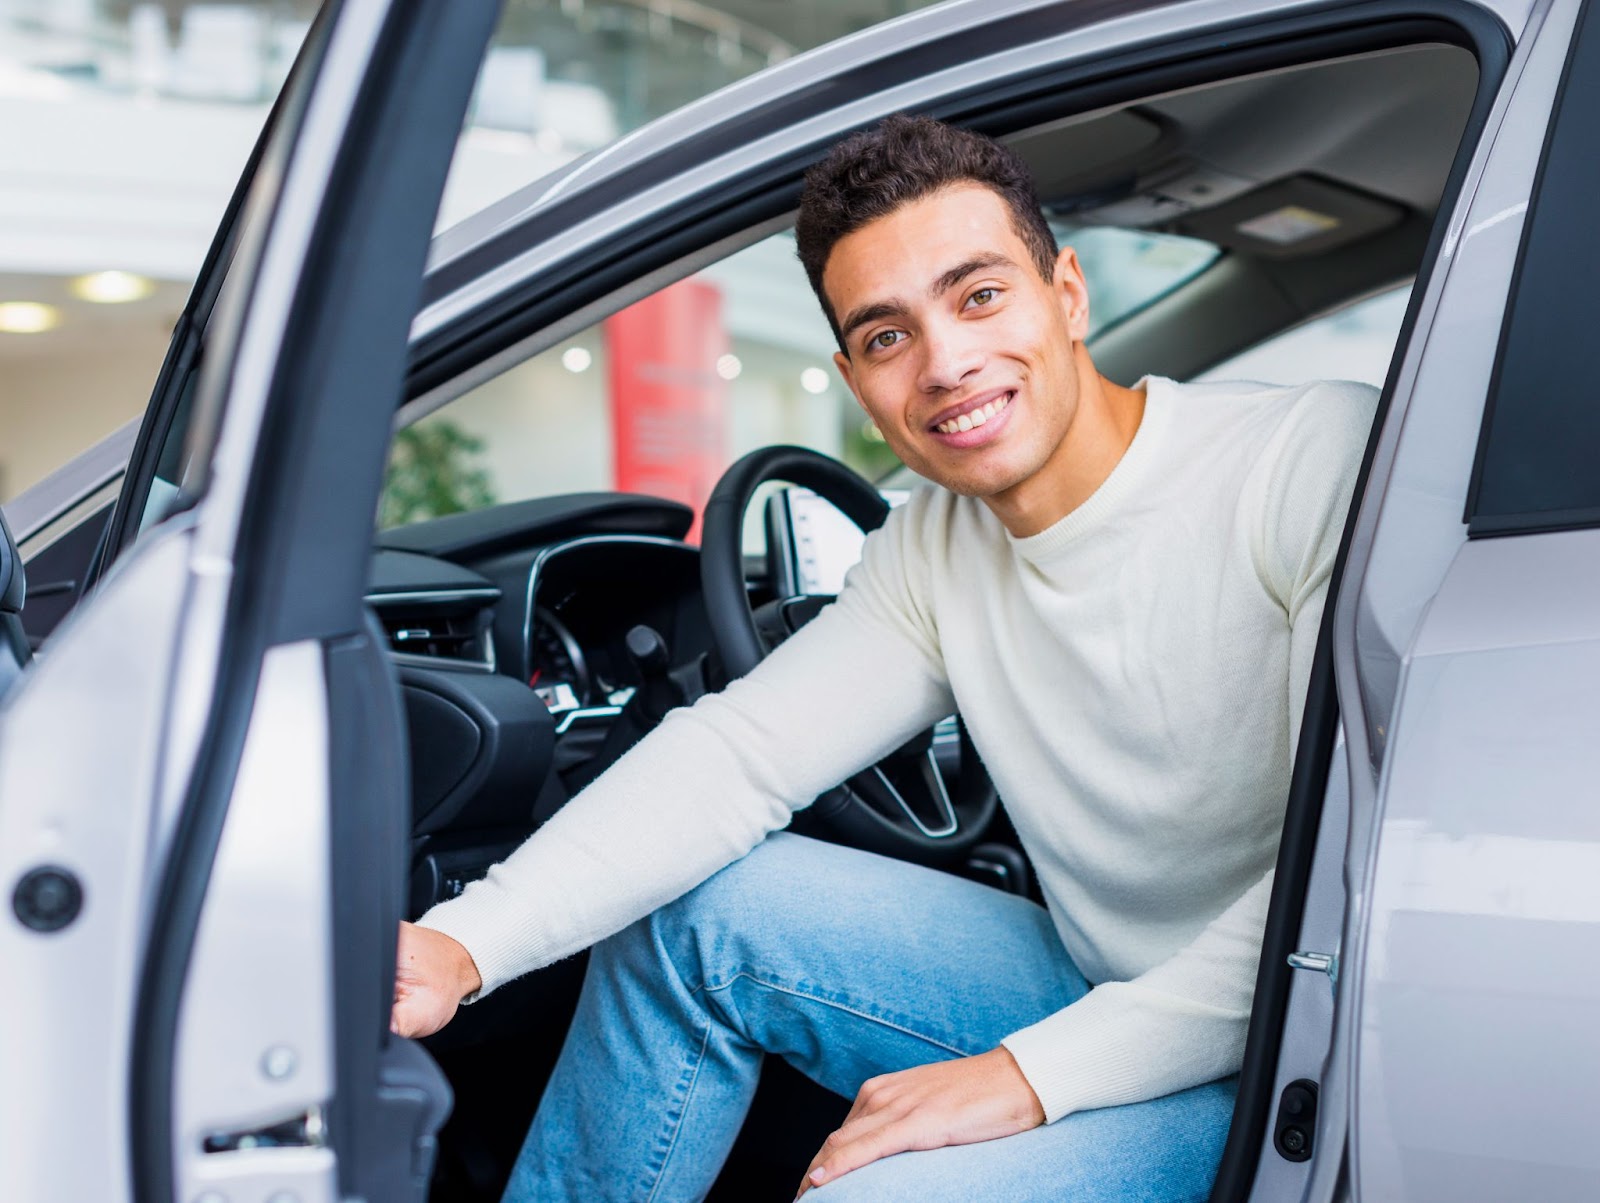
[{"x": 721, "y": 918}]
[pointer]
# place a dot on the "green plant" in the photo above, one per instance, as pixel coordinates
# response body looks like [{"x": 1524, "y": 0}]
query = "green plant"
[{"x": 431, "y": 473}]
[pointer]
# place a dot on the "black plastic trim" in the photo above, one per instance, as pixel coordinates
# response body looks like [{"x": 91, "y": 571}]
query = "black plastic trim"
[{"x": 1480, "y": 524}]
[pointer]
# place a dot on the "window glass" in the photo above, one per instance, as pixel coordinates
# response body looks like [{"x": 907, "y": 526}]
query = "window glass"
[
  {"x": 565, "y": 77},
  {"x": 663, "y": 396},
  {"x": 1540, "y": 444},
  {"x": 1127, "y": 269},
  {"x": 1353, "y": 343}
]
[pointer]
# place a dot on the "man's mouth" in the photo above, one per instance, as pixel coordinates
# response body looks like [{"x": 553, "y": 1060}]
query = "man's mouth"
[{"x": 976, "y": 411}]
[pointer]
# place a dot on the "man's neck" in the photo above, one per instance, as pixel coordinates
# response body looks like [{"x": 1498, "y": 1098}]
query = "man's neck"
[{"x": 1102, "y": 429}]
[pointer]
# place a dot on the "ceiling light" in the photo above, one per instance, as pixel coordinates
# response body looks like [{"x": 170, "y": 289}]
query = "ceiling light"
[
  {"x": 111, "y": 287},
  {"x": 729, "y": 367},
  {"x": 1288, "y": 224},
  {"x": 576, "y": 359},
  {"x": 28, "y": 317},
  {"x": 814, "y": 380}
]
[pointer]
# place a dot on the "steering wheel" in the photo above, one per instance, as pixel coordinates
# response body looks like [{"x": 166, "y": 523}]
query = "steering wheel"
[{"x": 900, "y": 806}]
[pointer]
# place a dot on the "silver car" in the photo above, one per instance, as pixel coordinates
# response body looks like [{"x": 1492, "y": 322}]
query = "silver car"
[{"x": 223, "y": 687}]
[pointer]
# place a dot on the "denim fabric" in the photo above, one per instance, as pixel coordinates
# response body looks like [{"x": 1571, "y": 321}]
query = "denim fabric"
[{"x": 847, "y": 965}]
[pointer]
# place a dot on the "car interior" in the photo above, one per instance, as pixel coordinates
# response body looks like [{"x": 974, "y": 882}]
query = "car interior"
[
  {"x": 536, "y": 639},
  {"x": 1317, "y": 185}
]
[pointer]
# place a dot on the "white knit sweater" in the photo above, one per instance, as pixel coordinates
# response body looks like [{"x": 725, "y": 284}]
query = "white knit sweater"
[{"x": 1132, "y": 676}]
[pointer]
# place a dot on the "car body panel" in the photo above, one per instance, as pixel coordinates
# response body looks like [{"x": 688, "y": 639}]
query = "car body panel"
[
  {"x": 1478, "y": 1069},
  {"x": 1410, "y": 532},
  {"x": 256, "y": 1040},
  {"x": 154, "y": 1035},
  {"x": 66, "y": 1041}
]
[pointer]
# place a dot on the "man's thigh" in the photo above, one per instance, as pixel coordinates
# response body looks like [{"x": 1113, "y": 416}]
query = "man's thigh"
[
  {"x": 1162, "y": 1151},
  {"x": 850, "y": 965}
]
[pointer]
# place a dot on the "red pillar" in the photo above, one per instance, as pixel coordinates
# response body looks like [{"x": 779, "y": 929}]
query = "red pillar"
[{"x": 667, "y": 400}]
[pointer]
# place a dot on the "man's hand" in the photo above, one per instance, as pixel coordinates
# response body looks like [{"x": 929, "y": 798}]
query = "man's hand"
[
  {"x": 432, "y": 974},
  {"x": 957, "y": 1102}
]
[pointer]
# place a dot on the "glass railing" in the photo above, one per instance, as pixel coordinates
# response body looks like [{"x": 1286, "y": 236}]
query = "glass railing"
[{"x": 581, "y": 72}]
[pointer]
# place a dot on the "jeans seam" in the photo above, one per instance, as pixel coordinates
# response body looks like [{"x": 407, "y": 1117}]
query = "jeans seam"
[
  {"x": 795, "y": 992},
  {"x": 683, "y": 1111}
]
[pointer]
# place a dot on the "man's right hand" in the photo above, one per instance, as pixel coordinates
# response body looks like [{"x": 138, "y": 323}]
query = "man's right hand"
[{"x": 432, "y": 974}]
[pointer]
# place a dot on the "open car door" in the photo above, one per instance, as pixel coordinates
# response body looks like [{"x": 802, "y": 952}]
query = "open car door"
[{"x": 203, "y": 803}]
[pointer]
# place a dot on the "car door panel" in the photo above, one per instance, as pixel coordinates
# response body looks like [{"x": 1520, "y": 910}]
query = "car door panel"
[
  {"x": 70, "y": 991},
  {"x": 225, "y": 632},
  {"x": 1478, "y": 1069},
  {"x": 1419, "y": 719},
  {"x": 255, "y": 1048}
]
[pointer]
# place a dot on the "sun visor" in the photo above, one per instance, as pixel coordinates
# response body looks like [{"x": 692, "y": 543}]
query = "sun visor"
[
  {"x": 1299, "y": 216},
  {"x": 1086, "y": 155}
]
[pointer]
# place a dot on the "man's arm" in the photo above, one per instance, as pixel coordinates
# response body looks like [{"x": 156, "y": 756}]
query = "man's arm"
[
  {"x": 698, "y": 792},
  {"x": 1184, "y": 1021}
]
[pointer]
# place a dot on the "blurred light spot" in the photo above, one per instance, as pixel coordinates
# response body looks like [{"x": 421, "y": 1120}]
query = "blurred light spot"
[
  {"x": 28, "y": 317},
  {"x": 576, "y": 359},
  {"x": 814, "y": 380},
  {"x": 111, "y": 287},
  {"x": 729, "y": 367}
]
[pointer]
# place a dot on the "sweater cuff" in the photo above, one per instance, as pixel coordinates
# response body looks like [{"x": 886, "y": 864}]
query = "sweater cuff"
[
  {"x": 1077, "y": 1058},
  {"x": 501, "y": 941}
]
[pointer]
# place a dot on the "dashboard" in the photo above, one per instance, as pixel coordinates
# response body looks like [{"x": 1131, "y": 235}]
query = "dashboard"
[
  {"x": 531, "y": 642},
  {"x": 536, "y": 641}
]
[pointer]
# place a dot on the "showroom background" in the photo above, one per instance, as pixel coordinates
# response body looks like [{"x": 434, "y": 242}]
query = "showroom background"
[{"x": 123, "y": 127}]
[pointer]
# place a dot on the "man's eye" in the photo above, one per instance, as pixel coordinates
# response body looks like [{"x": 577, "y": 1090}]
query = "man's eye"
[
  {"x": 884, "y": 338},
  {"x": 983, "y": 296}
]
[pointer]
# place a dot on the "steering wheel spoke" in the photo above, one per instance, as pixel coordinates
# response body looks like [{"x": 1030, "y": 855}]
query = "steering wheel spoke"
[
  {"x": 900, "y": 806},
  {"x": 912, "y": 789}
]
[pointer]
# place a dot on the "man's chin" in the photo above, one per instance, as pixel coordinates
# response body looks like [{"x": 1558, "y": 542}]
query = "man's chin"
[{"x": 979, "y": 484}]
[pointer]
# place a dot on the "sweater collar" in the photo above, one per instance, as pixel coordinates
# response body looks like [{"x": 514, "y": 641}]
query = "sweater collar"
[{"x": 1124, "y": 478}]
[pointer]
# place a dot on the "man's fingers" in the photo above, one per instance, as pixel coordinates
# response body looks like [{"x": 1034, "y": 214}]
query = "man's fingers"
[{"x": 867, "y": 1146}]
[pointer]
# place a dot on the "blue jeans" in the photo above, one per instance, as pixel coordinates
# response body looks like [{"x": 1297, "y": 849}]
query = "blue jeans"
[{"x": 847, "y": 965}]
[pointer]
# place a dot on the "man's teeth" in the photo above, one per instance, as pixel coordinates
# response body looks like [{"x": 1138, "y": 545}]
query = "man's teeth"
[{"x": 976, "y": 418}]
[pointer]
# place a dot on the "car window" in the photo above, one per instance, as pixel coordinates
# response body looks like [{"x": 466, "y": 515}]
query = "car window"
[
  {"x": 566, "y": 77},
  {"x": 1351, "y": 343},
  {"x": 661, "y": 397}
]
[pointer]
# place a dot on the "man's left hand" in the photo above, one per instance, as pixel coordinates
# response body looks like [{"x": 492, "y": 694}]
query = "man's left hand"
[{"x": 957, "y": 1102}]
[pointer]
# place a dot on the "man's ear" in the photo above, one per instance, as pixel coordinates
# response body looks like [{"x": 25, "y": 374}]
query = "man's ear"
[
  {"x": 1073, "y": 293},
  {"x": 847, "y": 371}
]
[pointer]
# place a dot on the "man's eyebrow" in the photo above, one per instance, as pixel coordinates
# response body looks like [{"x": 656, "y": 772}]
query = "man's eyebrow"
[
  {"x": 961, "y": 271},
  {"x": 894, "y": 307},
  {"x": 859, "y": 317}
]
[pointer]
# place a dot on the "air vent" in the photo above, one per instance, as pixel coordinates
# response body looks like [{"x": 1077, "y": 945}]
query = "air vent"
[{"x": 451, "y": 627}]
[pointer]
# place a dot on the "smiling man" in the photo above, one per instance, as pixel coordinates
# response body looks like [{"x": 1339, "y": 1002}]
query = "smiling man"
[{"x": 1120, "y": 589}]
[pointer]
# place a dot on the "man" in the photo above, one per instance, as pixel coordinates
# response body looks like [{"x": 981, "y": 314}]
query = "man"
[{"x": 1120, "y": 589}]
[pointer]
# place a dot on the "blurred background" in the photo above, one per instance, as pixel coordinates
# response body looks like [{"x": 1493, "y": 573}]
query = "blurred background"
[{"x": 124, "y": 126}]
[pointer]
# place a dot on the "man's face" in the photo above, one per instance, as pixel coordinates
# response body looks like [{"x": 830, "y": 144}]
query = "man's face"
[{"x": 955, "y": 346}]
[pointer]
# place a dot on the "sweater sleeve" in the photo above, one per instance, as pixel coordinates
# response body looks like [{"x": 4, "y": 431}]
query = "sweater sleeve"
[
  {"x": 1184, "y": 1021},
  {"x": 714, "y": 779}
]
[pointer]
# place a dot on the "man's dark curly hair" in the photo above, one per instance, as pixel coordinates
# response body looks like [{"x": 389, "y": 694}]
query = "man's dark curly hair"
[{"x": 903, "y": 159}]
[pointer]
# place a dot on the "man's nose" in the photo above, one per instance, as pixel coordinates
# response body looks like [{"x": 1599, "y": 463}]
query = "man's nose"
[{"x": 948, "y": 358}]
